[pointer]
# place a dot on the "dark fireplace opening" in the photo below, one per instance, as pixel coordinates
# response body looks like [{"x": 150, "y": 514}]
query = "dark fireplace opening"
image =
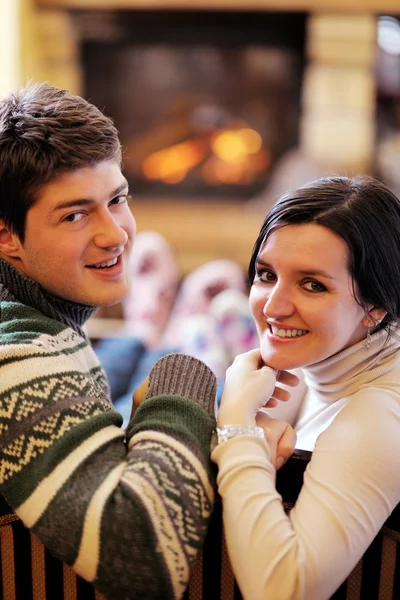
[{"x": 206, "y": 102}]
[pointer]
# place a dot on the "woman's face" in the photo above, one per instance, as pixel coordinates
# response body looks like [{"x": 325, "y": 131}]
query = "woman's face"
[{"x": 302, "y": 299}]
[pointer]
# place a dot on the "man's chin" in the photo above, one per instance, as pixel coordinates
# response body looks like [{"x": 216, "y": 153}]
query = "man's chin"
[
  {"x": 110, "y": 299},
  {"x": 108, "y": 304},
  {"x": 96, "y": 302},
  {"x": 105, "y": 302}
]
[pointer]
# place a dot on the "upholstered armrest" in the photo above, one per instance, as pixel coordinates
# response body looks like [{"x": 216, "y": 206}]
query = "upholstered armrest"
[{"x": 26, "y": 565}]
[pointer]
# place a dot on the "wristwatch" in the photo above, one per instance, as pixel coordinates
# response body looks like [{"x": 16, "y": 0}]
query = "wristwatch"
[{"x": 226, "y": 432}]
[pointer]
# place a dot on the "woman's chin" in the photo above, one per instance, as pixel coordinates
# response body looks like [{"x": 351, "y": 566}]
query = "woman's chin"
[{"x": 280, "y": 363}]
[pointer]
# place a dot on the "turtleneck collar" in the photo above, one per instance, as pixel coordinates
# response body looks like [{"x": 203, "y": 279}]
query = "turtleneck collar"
[
  {"x": 16, "y": 286},
  {"x": 345, "y": 372}
]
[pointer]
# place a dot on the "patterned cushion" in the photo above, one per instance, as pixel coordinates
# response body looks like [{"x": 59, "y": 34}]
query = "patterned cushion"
[{"x": 29, "y": 572}]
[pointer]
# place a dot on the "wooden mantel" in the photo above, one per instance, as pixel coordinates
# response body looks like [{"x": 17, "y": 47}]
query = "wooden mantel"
[{"x": 337, "y": 6}]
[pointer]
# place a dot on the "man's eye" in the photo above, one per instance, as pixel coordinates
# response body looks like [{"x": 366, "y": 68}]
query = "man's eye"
[
  {"x": 118, "y": 200},
  {"x": 73, "y": 217},
  {"x": 314, "y": 286}
]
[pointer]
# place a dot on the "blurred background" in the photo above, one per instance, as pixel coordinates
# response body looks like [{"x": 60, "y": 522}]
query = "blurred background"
[{"x": 221, "y": 105}]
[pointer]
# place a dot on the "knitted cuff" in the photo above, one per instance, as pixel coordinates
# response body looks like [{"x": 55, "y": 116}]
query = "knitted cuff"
[{"x": 185, "y": 376}]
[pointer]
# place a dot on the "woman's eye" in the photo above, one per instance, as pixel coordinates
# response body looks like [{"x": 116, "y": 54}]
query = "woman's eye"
[
  {"x": 265, "y": 276},
  {"x": 314, "y": 286},
  {"x": 74, "y": 217}
]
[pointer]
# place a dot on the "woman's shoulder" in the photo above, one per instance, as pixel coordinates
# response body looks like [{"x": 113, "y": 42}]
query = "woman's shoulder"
[{"x": 385, "y": 384}]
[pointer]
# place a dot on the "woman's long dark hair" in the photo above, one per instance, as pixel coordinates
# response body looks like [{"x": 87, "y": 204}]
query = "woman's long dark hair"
[{"x": 366, "y": 215}]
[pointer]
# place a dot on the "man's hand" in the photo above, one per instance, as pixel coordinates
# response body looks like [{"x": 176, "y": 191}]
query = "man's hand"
[{"x": 139, "y": 395}]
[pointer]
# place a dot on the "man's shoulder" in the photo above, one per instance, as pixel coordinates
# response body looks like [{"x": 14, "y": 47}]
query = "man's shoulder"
[
  {"x": 20, "y": 323},
  {"x": 27, "y": 336}
]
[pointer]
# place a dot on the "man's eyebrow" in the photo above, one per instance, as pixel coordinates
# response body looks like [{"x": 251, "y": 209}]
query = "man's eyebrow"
[
  {"x": 87, "y": 201},
  {"x": 310, "y": 272}
]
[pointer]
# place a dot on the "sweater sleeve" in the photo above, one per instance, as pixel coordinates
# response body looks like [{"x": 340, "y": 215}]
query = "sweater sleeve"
[
  {"x": 350, "y": 488},
  {"x": 129, "y": 514}
]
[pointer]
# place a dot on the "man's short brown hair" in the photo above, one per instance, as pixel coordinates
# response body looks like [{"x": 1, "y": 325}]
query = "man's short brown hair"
[{"x": 44, "y": 132}]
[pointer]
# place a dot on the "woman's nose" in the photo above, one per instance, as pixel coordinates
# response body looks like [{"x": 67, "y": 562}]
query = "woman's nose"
[{"x": 279, "y": 303}]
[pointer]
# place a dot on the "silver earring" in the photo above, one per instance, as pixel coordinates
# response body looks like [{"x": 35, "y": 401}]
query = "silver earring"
[{"x": 367, "y": 341}]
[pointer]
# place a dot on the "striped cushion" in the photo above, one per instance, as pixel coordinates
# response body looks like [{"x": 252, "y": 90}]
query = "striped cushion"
[{"x": 29, "y": 572}]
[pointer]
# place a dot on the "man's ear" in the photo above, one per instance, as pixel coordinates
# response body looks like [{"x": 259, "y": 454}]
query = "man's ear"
[
  {"x": 10, "y": 244},
  {"x": 373, "y": 317}
]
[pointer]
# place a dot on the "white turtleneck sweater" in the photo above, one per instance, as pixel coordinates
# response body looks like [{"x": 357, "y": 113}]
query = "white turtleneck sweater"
[{"x": 348, "y": 412}]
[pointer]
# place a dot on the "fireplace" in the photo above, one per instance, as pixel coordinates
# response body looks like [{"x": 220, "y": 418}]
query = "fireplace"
[{"x": 205, "y": 102}]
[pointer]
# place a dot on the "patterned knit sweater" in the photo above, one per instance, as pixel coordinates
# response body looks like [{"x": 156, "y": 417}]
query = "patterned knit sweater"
[{"x": 128, "y": 511}]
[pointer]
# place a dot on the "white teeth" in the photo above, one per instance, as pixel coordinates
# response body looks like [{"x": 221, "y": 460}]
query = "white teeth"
[
  {"x": 108, "y": 263},
  {"x": 288, "y": 332}
]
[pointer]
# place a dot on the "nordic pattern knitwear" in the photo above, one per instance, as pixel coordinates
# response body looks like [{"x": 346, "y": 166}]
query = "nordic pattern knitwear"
[
  {"x": 127, "y": 511},
  {"x": 15, "y": 286}
]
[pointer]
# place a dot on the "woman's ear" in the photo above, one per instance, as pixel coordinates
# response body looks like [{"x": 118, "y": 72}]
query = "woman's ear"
[
  {"x": 373, "y": 317},
  {"x": 10, "y": 244}
]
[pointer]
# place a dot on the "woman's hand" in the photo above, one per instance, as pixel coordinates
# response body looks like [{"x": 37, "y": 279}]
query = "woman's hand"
[
  {"x": 281, "y": 438},
  {"x": 249, "y": 386}
]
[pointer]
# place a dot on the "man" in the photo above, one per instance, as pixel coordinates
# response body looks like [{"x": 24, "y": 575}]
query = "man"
[{"x": 127, "y": 510}]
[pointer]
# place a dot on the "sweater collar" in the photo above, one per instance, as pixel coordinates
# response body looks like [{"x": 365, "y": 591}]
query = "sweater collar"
[
  {"x": 344, "y": 372},
  {"x": 16, "y": 286}
]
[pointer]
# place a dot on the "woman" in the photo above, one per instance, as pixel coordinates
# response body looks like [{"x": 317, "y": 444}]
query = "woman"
[{"x": 325, "y": 297}]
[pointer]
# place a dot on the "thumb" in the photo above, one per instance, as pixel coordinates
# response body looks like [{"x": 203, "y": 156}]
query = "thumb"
[
  {"x": 139, "y": 395},
  {"x": 286, "y": 446},
  {"x": 281, "y": 438}
]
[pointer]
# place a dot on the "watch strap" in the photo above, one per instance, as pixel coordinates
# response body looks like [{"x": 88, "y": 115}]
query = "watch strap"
[{"x": 226, "y": 432}]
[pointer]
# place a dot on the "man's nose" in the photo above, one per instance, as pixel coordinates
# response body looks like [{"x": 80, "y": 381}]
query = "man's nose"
[{"x": 110, "y": 233}]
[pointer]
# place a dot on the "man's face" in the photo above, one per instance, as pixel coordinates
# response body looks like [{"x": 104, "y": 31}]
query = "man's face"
[{"x": 78, "y": 236}]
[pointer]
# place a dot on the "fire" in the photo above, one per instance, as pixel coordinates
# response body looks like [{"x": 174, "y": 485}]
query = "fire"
[
  {"x": 231, "y": 155},
  {"x": 235, "y": 145},
  {"x": 172, "y": 164}
]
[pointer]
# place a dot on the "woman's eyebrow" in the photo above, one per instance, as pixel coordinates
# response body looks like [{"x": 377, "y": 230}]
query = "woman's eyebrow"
[
  {"x": 310, "y": 272},
  {"x": 316, "y": 273}
]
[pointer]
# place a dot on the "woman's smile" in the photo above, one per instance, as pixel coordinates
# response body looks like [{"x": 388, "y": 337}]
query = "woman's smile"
[
  {"x": 284, "y": 333},
  {"x": 302, "y": 297}
]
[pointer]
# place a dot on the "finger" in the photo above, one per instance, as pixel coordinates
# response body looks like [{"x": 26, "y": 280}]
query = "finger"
[
  {"x": 287, "y": 378},
  {"x": 278, "y": 395},
  {"x": 139, "y": 395},
  {"x": 271, "y": 403},
  {"x": 281, "y": 394}
]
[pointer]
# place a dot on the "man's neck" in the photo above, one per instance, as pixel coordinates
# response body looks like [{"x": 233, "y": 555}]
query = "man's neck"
[{"x": 14, "y": 285}]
